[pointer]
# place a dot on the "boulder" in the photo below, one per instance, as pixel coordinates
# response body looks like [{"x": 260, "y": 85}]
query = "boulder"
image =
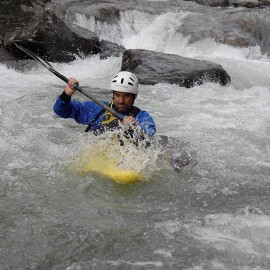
[
  {"x": 32, "y": 25},
  {"x": 48, "y": 36},
  {"x": 155, "y": 67}
]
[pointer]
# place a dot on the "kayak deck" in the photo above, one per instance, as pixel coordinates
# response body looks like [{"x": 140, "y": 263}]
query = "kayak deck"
[
  {"x": 120, "y": 164},
  {"x": 108, "y": 168}
]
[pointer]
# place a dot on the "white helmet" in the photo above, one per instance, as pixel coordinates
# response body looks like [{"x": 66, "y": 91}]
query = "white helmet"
[{"x": 125, "y": 81}]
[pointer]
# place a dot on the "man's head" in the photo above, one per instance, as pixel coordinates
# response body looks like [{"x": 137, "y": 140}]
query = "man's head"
[{"x": 125, "y": 89}]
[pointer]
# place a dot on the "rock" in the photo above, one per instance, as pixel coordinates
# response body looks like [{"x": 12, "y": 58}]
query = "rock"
[
  {"x": 107, "y": 49},
  {"x": 234, "y": 3},
  {"x": 237, "y": 27},
  {"x": 213, "y": 3},
  {"x": 245, "y": 3},
  {"x": 7, "y": 58},
  {"x": 234, "y": 40},
  {"x": 52, "y": 39},
  {"x": 155, "y": 67},
  {"x": 265, "y": 2},
  {"x": 41, "y": 31}
]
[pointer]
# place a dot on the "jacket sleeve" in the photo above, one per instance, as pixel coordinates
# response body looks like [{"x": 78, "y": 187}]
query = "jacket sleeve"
[
  {"x": 146, "y": 122},
  {"x": 82, "y": 112}
]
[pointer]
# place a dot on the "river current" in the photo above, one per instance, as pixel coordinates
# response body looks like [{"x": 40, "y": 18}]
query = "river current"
[{"x": 215, "y": 216}]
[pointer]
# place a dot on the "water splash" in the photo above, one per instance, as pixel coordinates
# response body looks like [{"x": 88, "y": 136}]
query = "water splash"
[{"x": 124, "y": 161}]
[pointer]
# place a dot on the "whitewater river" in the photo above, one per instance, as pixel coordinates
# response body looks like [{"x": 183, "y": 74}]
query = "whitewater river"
[{"x": 215, "y": 216}]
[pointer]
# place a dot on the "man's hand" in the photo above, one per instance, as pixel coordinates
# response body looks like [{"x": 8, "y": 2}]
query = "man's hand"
[
  {"x": 69, "y": 89},
  {"x": 129, "y": 121}
]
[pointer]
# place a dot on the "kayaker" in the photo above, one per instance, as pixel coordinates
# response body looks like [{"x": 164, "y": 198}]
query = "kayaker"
[{"x": 124, "y": 86}]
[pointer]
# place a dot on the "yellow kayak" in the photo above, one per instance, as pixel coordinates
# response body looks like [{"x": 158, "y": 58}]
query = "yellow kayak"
[
  {"x": 121, "y": 164},
  {"x": 101, "y": 164}
]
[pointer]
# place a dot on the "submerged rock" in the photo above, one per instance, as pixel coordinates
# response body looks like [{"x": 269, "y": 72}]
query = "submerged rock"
[{"x": 154, "y": 67}]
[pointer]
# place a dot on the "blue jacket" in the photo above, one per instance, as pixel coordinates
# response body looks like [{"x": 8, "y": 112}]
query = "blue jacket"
[{"x": 85, "y": 113}]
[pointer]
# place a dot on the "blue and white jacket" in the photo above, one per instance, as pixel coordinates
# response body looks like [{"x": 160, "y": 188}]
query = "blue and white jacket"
[{"x": 86, "y": 113}]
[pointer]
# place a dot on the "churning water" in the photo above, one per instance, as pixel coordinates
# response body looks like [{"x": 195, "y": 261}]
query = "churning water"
[{"x": 215, "y": 216}]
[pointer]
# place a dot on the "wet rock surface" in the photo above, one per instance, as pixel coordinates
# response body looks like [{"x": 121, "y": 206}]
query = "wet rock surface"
[{"x": 155, "y": 67}]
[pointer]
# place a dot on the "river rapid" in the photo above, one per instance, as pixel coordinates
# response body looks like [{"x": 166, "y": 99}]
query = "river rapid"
[{"x": 215, "y": 216}]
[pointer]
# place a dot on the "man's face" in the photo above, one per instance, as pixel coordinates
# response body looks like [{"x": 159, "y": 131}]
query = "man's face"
[{"x": 122, "y": 101}]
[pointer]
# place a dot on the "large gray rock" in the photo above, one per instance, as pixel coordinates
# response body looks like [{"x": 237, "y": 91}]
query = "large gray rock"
[
  {"x": 44, "y": 33},
  {"x": 30, "y": 24},
  {"x": 155, "y": 67}
]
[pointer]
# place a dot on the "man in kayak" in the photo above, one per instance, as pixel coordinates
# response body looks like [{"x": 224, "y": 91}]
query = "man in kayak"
[{"x": 124, "y": 86}]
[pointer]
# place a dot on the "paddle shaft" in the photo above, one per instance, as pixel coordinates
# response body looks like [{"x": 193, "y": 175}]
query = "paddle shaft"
[{"x": 65, "y": 79}]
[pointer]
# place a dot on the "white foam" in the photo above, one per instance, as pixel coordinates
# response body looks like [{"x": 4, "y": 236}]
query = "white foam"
[
  {"x": 164, "y": 253},
  {"x": 242, "y": 234},
  {"x": 146, "y": 263}
]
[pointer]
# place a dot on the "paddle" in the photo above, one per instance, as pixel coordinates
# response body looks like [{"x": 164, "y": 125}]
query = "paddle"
[{"x": 65, "y": 79}]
